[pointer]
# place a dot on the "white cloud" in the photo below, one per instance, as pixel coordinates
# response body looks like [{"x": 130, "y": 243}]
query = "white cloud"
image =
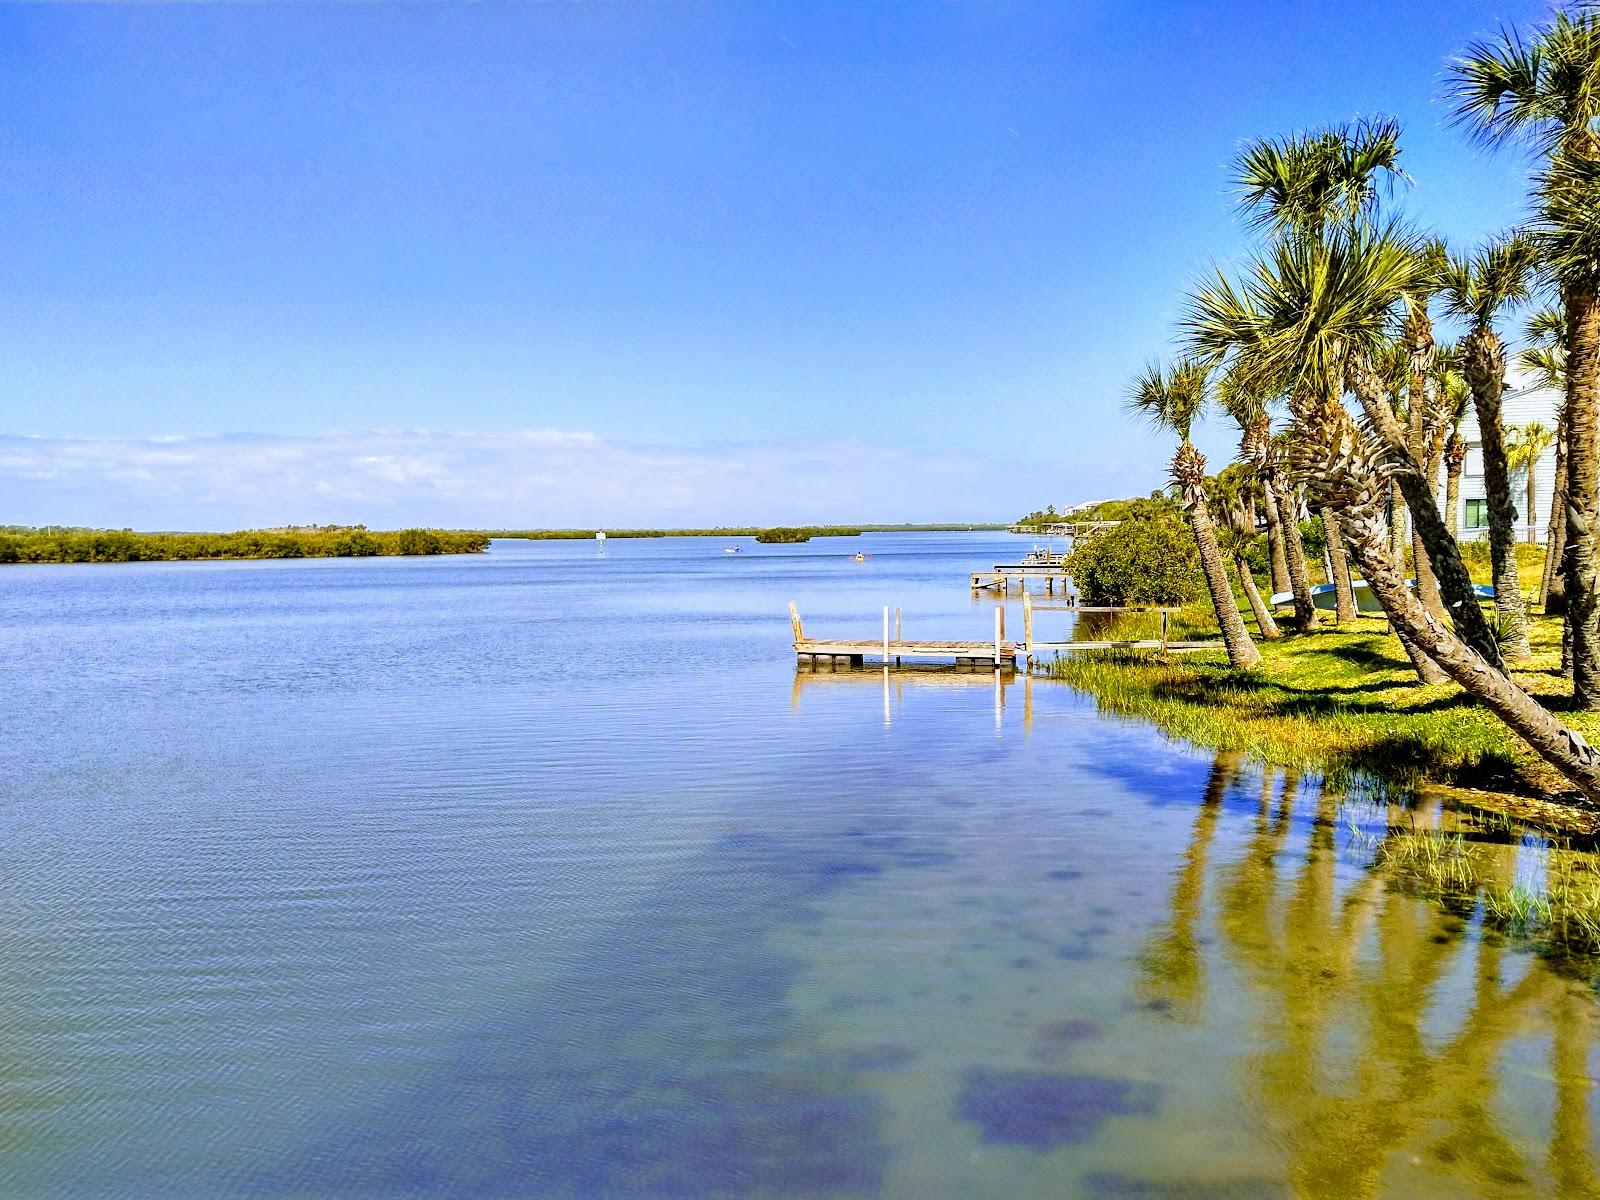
[{"x": 526, "y": 479}]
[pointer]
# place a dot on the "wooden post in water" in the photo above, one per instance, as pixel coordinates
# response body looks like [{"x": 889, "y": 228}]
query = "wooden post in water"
[
  {"x": 886, "y": 637},
  {"x": 794, "y": 620},
  {"x": 999, "y": 632},
  {"x": 1027, "y": 627},
  {"x": 898, "y": 636}
]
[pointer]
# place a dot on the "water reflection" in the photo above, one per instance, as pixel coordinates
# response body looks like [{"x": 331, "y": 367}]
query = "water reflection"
[{"x": 1396, "y": 1045}]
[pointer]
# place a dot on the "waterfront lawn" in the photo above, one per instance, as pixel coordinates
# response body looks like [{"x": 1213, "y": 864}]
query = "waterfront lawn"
[{"x": 1337, "y": 701}]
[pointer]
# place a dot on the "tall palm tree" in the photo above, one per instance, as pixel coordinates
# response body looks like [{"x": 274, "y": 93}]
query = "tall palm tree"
[
  {"x": 1298, "y": 187},
  {"x": 1524, "y": 447},
  {"x": 1544, "y": 92},
  {"x": 1173, "y": 399},
  {"x": 1477, "y": 288}
]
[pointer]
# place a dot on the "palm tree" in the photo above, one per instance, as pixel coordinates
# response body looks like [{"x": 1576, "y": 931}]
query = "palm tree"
[
  {"x": 1455, "y": 397},
  {"x": 1525, "y": 447},
  {"x": 1173, "y": 399},
  {"x": 1248, "y": 408},
  {"x": 1416, "y": 341},
  {"x": 1477, "y": 289},
  {"x": 1231, "y": 498},
  {"x": 1347, "y": 467},
  {"x": 1545, "y": 93},
  {"x": 1547, "y": 361},
  {"x": 1304, "y": 184},
  {"x": 1312, "y": 311}
]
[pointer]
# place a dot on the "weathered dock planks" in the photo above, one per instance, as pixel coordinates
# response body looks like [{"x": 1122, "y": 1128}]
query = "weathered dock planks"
[{"x": 999, "y": 654}]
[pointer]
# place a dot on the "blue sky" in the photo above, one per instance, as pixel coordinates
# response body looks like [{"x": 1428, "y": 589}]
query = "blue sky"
[{"x": 538, "y": 264}]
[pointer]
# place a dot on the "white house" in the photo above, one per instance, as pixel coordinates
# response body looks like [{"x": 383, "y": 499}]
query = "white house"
[{"x": 1520, "y": 405}]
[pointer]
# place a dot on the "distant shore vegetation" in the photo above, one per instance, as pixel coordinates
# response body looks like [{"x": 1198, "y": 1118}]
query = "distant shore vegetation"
[
  {"x": 755, "y": 531},
  {"x": 19, "y": 544},
  {"x": 74, "y": 544}
]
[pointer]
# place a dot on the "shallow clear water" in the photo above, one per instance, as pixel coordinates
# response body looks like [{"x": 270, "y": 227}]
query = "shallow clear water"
[{"x": 543, "y": 873}]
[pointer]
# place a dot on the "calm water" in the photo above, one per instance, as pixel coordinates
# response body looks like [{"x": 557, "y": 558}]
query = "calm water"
[{"x": 543, "y": 874}]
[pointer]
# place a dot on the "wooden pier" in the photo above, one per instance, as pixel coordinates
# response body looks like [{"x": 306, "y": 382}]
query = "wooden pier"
[
  {"x": 997, "y": 655},
  {"x": 1004, "y": 574}
]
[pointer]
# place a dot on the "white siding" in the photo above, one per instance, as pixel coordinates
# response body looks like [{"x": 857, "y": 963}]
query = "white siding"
[{"x": 1518, "y": 407}]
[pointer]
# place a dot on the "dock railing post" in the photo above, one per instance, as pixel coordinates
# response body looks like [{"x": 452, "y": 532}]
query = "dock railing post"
[
  {"x": 1163, "y": 631},
  {"x": 1027, "y": 626},
  {"x": 794, "y": 621},
  {"x": 886, "y": 636}
]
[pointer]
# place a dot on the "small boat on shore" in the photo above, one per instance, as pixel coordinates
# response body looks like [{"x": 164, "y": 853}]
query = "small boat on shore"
[{"x": 1322, "y": 596}]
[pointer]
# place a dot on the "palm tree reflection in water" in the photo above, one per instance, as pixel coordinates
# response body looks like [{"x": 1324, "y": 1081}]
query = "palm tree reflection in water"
[{"x": 1381, "y": 1022}]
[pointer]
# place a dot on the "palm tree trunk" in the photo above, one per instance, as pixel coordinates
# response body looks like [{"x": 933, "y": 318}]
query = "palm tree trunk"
[
  {"x": 1188, "y": 469},
  {"x": 1275, "y": 555},
  {"x": 1344, "y": 599},
  {"x": 1532, "y": 522},
  {"x": 1455, "y": 582},
  {"x": 1397, "y": 529},
  {"x": 1305, "y": 612},
  {"x": 1263, "y": 614},
  {"x": 1454, "y": 463},
  {"x": 1484, "y": 361},
  {"x": 1427, "y": 579},
  {"x": 1552, "y": 587},
  {"x": 1427, "y": 670},
  {"x": 1563, "y": 748},
  {"x": 1583, "y": 491}
]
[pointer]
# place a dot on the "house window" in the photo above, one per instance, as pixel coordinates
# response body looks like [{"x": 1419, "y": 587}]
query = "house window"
[{"x": 1477, "y": 514}]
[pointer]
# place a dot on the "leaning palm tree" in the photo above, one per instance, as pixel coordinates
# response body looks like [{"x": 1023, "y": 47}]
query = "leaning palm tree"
[
  {"x": 1524, "y": 448},
  {"x": 1348, "y": 466},
  {"x": 1173, "y": 399},
  {"x": 1477, "y": 289},
  {"x": 1544, "y": 91}
]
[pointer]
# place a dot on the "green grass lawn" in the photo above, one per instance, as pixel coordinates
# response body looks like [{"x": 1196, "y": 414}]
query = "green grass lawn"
[{"x": 1338, "y": 701}]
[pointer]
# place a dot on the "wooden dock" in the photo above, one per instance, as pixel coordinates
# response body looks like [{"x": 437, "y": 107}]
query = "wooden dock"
[
  {"x": 1003, "y": 575},
  {"x": 997, "y": 655}
]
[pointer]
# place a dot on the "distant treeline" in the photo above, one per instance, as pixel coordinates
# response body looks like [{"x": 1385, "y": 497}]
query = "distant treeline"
[
  {"x": 63, "y": 545},
  {"x": 734, "y": 531}
]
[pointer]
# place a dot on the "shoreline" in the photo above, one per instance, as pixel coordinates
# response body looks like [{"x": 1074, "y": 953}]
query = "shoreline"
[{"x": 1343, "y": 703}]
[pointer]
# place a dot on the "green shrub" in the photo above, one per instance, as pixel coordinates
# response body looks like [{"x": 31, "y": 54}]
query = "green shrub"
[{"x": 1150, "y": 558}]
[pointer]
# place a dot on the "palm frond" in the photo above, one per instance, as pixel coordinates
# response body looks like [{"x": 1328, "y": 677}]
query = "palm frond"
[
  {"x": 1477, "y": 287},
  {"x": 1171, "y": 397}
]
